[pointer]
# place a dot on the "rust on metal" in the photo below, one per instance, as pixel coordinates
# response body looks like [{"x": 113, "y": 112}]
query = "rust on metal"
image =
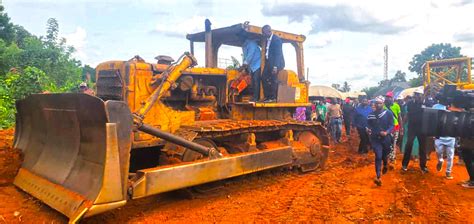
[
  {"x": 162, "y": 179},
  {"x": 62, "y": 199}
]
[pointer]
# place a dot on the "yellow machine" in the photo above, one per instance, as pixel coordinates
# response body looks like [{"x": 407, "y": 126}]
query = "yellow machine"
[
  {"x": 453, "y": 71},
  {"x": 154, "y": 128}
]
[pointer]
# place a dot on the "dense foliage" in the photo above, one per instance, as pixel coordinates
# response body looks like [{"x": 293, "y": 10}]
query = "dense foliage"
[
  {"x": 433, "y": 52},
  {"x": 31, "y": 64}
]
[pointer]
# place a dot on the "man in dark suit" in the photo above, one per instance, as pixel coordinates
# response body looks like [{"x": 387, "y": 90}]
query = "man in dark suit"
[{"x": 274, "y": 63}]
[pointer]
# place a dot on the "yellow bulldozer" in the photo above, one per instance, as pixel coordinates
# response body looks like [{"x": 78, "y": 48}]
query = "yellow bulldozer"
[
  {"x": 159, "y": 127},
  {"x": 452, "y": 71}
]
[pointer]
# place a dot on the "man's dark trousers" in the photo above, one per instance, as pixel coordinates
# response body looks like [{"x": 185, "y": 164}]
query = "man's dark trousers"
[
  {"x": 381, "y": 148},
  {"x": 468, "y": 157},
  {"x": 256, "y": 84},
  {"x": 347, "y": 125},
  {"x": 364, "y": 140},
  {"x": 412, "y": 133},
  {"x": 270, "y": 85}
]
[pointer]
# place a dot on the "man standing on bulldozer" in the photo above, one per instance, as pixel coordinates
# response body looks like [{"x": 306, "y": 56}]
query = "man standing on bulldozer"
[
  {"x": 274, "y": 63},
  {"x": 251, "y": 61}
]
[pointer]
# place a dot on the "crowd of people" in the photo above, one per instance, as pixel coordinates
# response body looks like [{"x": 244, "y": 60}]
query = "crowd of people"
[{"x": 387, "y": 126}]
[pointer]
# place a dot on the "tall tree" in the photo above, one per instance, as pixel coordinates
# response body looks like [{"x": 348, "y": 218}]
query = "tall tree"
[
  {"x": 52, "y": 31},
  {"x": 370, "y": 91},
  {"x": 9, "y": 57},
  {"x": 345, "y": 87},
  {"x": 433, "y": 52},
  {"x": 20, "y": 35},
  {"x": 384, "y": 82},
  {"x": 7, "y": 33},
  {"x": 399, "y": 77},
  {"x": 415, "y": 82}
]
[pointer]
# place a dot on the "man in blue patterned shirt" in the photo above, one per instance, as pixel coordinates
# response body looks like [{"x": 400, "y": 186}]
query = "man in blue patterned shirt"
[{"x": 252, "y": 60}]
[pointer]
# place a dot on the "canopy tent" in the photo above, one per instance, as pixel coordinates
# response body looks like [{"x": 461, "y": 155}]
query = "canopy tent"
[
  {"x": 408, "y": 92},
  {"x": 394, "y": 87},
  {"x": 324, "y": 91}
]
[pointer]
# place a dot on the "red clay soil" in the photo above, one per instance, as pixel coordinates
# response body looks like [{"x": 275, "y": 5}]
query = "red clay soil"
[
  {"x": 343, "y": 193},
  {"x": 10, "y": 159}
]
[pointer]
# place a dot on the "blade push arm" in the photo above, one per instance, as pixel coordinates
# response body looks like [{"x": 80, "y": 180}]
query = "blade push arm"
[{"x": 170, "y": 76}]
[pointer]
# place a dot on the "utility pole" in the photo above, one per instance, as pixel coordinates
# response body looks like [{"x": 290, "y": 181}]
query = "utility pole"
[
  {"x": 307, "y": 74},
  {"x": 385, "y": 62}
]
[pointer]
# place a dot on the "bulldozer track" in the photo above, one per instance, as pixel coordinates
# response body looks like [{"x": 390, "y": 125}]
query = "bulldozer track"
[
  {"x": 228, "y": 128},
  {"x": 224, "y": 128}
]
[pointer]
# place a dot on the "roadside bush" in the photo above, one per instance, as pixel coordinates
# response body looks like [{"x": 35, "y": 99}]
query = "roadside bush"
[{"x": 16, "y": 86}]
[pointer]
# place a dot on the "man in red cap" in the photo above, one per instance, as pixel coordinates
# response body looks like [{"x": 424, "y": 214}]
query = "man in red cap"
[{"x": 393, "y": 106}]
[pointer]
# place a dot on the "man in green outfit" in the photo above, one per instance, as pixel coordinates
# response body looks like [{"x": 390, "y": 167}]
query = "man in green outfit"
[
  {"x": 397, "y": 122},
  {"x": 321, "y": 111}
]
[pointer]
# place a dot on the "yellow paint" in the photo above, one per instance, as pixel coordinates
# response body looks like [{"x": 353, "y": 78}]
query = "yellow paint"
[
  {"x": 206, "y": 71},
  {"x": 468, "y": 86},
  {"x": 303, "y": 92},
  {"x": 171, "y": 76},
  {"x": 281, "y": 34},
  {"x": 137, "y": 92},
  {"x": 288, "y": 77},
  {"x": 449, "y": 66}
]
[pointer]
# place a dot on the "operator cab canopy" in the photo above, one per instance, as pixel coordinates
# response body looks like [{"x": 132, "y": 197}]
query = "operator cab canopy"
[{"x": 230, "y": 36}]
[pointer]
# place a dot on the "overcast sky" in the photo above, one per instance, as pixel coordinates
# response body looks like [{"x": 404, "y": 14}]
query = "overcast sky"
[{"x": 344, "y": 38}]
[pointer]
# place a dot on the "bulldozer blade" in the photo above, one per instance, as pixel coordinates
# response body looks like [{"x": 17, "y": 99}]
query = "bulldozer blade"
[{"x": 76, "y": 152}]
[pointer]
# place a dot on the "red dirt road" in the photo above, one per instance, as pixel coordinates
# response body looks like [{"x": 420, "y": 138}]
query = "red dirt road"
[{"x": 342, "y": 193}]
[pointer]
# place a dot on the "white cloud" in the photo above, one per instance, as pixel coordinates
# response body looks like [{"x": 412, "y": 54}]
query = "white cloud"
[
  {"x": 180, "y": 28},
  {"x": 77, "y": 39},
  {"x": 334, "y": 57},
  {"x": 336, "y": 18},
  {"x": 321, "y": 40}
]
